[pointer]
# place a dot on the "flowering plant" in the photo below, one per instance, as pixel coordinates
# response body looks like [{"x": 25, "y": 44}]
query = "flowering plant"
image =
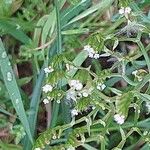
[{"x": 91, "y": 72}]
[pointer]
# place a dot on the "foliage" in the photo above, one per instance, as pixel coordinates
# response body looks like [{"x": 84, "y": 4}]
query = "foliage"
[{"x": 87, "y": 68}]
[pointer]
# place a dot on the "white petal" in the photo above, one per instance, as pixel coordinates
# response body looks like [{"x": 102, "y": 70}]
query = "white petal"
[
  {"x": 74, "y": 112},
  {"x": 121, "y": 11},
  {"x": 79, "y": 86},
  {"x": 85, "y": 94},
  {"x": 45, "y": 101},
  {"x": 96, "y": 56},
  {"x": 127, "y": 10}
]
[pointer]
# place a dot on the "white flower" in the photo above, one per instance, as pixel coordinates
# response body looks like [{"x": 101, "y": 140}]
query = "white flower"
[
  {"x": 74, "y": 112},
  {"x": 87, "y": 47},
  {"x": 101, "y": 86},
  {"x": 119, "y": 118},
  {"x": 96, "y": 56},
  {"x": 48, "y": 70},
  {"x": 45, "y": 101},
  {"x": 128, "y": 10},
  {"x": 76, "y": 84},
  {"x": 121, "y": 10},
  {"x": 91, "y": 52},
  {"x": 91, "y": 55},
  {"x": 72, "y": 83},
  {"x": 37, "y": 148},
  {"x": 125, "y": 11},
  {"x": 47, "y": 88},
  {"x": 85, "y": 94}
]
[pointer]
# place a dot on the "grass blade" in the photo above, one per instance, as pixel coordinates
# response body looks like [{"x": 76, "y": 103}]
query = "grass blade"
[
  {"x": 59, "y": 50},
  {"x": 11, "y": 28},
  {"x": 103, "y": 5},
  {"x": 13, "y": 90}
]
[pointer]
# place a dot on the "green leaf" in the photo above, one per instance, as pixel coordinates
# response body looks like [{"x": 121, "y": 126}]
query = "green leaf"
[
  {"x": 123, "y": 102},
  {"x": 9, "y": 27},
  {"x": 103, "y": 5},
  {"x": 13, "y": 90},
  {"x": 24, "y": 81}
]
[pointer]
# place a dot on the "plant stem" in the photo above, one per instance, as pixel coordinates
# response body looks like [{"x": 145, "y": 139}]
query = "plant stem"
[{"x": 59, "y": 50}]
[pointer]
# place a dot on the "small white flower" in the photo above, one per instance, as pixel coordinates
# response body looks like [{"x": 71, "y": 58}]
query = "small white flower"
[
  {"x": 119, "y": 118},
  {"x": 45, "y": 101},
  {"x": 79, "y": 86},
  {"x": 48, "y": 70},
  {"x": 72, "y": 83},
  {"x": 91, "y": 52},
  {"x": 96, "y": 56},
  {"x": 125, "y": 11},
  {"x": 101, "y": 86},
  {"x": 58, "y": 101},
  {"x": 76, "y": 84},
  {"x": 91, "y": 55},
  {"x": 47, "y": 88},
  {"x": 128, "y": 10},
  {"x": 121, "y": 10},
  {"x": 37, "y": 148},
  {"x": 74, "y": 112},
  {"x": 85, "y": 94},
  {"x": 87, "y": 47}
]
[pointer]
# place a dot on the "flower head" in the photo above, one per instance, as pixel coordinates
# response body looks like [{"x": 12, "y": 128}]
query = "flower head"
[
  {"x": 76, "y": 84},
  {"x": 48, "y": 70},
  {"x": 125, "y": 11},
  {"x": 85, "y": 94},
  {"x": 101, "y": 86},
  {"x": 91, "y": 52},
  {"x": 47, "y": 88},
  {"x": 74, "y": 112},
  {"x": 45, "y": 101},
  {"x": 119, "y": 118}
]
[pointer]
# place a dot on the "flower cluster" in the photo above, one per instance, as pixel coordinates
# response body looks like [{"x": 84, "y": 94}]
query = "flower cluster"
[
  {"x": 76, "y": 84},
  {"x": 48, "y": 70},
  {"x": 45, "y": 101},
  {"x": 74, "y": 112},
  {"x": 119, "y": 118},
  {"x": 91, "y": 52},
  {"x": 47, "y": 88},
  {"x": 76, "y": 90},
  {"x": 125, "y": 11},
  {"x": 101, "y": 86}
]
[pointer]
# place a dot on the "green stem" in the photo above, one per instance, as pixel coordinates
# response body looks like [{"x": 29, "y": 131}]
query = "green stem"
[{"x": 59, "y": 50}]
